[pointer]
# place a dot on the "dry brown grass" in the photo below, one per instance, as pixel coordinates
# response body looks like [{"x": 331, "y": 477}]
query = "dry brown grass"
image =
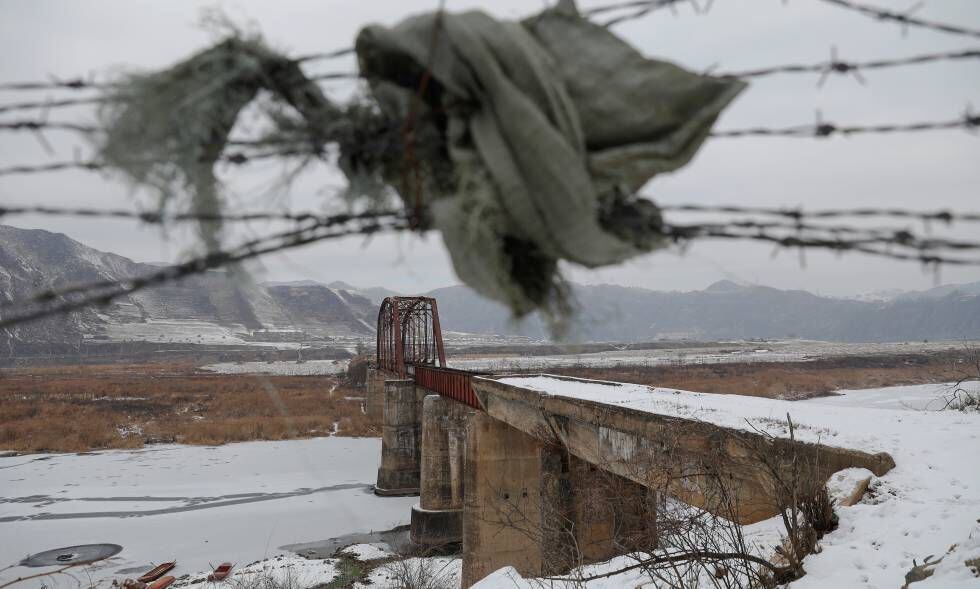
[
  {"x": 77, "y": 408},
  {"x": 792, "y": 380}
]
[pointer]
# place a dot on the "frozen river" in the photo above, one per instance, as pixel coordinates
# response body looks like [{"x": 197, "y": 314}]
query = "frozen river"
[{"x": 198, "y": 505}]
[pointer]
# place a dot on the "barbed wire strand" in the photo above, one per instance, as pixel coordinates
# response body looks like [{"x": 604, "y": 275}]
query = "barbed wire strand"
[
  {"x": 968, "y": 121},
  {"x": 824, "y": 68},
  {"x": 819, "y": 129},
  {"x": 840, "y": 66},
  {"x": 642, "y": 8},
  {"x": 943, "y": 215},
  {"x": 686, "y": 233},
  {"x": 237, "y": 158},
  {"x": 905, "y": 18},
  {"x": 81, "y": 83},
  {"x": 160, "y": 218},
  {"x": 46, "y": 105},
  {"x": 798, "y": 214}
]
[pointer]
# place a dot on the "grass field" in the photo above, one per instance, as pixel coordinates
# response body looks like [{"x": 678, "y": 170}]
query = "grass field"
[
  {"x": 792, "y": 380},
  {"x": 78, "y": 408}
]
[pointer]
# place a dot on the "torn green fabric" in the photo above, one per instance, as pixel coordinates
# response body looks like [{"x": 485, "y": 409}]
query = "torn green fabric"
[
  {"x": 551, "y": 124},
  {"x": 166, "y": 130}
]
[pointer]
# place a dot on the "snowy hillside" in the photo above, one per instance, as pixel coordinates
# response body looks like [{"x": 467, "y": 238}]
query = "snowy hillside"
[{"x": 215, "y": 308}]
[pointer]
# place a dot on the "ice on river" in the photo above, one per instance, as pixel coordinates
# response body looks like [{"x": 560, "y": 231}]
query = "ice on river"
[{"x": 199, "y": 505}]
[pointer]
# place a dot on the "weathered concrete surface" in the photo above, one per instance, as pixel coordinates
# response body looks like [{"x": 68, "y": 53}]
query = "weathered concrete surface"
[
  {"x": 401, "y": 435},
  {"x": 437, "y": 520},
  {"x": 694, "y": 461},
  {"x": 531, "y": 505},
  {"x": 505, "y": 499},
  {"x": 375, "y": 395}
]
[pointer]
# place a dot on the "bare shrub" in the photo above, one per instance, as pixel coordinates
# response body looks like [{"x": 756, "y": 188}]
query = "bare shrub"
[
  {"x": 357, "y": 368},
  {"x": 419, "y": 573}
]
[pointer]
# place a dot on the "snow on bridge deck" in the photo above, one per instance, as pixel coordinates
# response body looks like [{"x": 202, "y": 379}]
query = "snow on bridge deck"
[{"x": 927, "y": 504}]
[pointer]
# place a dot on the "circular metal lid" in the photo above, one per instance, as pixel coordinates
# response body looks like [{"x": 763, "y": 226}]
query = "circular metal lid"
[{"x": 81, "y": 554}]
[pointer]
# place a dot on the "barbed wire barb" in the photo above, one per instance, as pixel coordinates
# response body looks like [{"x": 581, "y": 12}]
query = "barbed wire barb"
[
  {"x": 905, "y": 19},
  {"x": 839, "y": 66}
]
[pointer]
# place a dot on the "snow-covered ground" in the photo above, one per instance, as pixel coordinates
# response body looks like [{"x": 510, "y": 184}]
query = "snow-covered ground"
[
  {"x": 280, "y": 367},
  {"x": 929, "y": 504},
  {"x": 186, "y": 332},
  {"x": 198, "y": 505},
  {"x": 245, "y": 502},
  {"x": 734, "y": 352}
]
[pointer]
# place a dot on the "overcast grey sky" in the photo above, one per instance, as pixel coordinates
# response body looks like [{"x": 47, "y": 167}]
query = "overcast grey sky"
[{"x": 39, "y": 38}]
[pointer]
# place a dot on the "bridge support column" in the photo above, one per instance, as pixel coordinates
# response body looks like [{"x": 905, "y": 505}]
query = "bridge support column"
[
  {"x": 401, "y": 435},
  {"x": 437, "y": 519},
  {"x": 374, "y": 404},
  {"x": 531, "y": 505}
]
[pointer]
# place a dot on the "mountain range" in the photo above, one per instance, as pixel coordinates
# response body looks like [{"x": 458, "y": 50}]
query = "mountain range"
[{"x": 222, "y": 307}]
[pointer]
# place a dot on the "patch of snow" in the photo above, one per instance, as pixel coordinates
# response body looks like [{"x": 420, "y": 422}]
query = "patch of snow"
[
  {"x": 367, "y": 552},
  {"x": 285, "y": 570},
  {"x": 921, "y": 397},
  {"x": 281, "y": 367},
  {"x": 843, "y": 483},
  {"x": 732, "y": 352}
]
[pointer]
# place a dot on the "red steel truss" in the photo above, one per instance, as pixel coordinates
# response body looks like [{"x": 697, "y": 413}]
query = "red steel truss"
[{"x": 409, "y": 334}]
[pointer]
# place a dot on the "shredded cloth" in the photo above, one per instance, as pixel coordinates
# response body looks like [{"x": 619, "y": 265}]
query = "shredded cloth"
[
  {"x": 523, "y": 143},
  {"x": 167, "y": 130},
  {"x": 552, "y": 125}
]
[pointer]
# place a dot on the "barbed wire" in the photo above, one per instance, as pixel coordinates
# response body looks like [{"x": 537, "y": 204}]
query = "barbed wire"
[
  {"x": 83, "y": 84},
  {"x": 162, "y": 218},
  {"x": 968, "y": 121},
  {"x": 797, "y": 214},
  {"x": 870, "y": 246},
  {"x": 236, "y": 158},
  {"x": 45, "y": 105},
  {"x": 836, "y": 65},
  {"x": 819, "y": 129},
  {"x": 43, "y": 125},
  {"x": 631, "y": 4},
  {"x": 832, "y": 66},
  {"x": 895, "y": 236},
  {"x": 857, "y": 235},
  {"x": 57, "y": 302},
  {"x": 905, "y": 18},
  {"x": 943, "y": 215},
  {"x": 641, "y": 9}
]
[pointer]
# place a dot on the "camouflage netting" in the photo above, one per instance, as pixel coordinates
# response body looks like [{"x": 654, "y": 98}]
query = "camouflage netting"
[{"x": 523, "y": 143}]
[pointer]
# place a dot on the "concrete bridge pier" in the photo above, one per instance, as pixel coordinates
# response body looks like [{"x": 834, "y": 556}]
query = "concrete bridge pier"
[
  {"x": 374, "y": 404},
  {"x": 437, "y": 519},
  {"x": 531, "y": 505},
  {"x": 401, "y": 432}
]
